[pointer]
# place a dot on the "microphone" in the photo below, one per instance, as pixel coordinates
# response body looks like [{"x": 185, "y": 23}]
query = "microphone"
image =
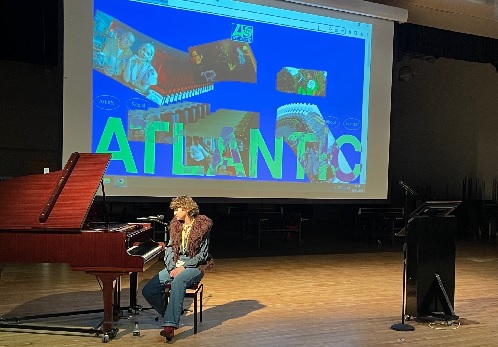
[
  {"x": 159, "y": 217},
  {"x": 407, "y": 187}
]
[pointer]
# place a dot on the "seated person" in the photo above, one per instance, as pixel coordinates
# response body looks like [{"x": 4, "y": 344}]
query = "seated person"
[
  {"x": 200, "y": 155},
  {"x": 138, "y": 70},
  {"x": 186, "y": 259},
  {"x": 115, "y": 52}
]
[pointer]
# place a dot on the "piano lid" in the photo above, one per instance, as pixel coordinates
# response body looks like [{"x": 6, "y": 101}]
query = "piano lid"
[{"x": 58, "y": 201}]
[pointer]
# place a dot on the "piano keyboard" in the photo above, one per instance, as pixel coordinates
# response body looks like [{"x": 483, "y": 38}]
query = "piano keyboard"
[{"x": 146, "y": 250}]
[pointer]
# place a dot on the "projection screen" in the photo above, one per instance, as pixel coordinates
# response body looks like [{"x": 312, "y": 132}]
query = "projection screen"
[{"x": 236, "y": 99}]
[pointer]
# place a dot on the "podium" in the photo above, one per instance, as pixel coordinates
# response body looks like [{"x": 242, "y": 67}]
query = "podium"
[{"x": 430, "y": 261}]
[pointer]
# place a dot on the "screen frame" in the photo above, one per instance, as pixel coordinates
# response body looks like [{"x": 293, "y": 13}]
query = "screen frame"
[{"x": 78, "y": 97}]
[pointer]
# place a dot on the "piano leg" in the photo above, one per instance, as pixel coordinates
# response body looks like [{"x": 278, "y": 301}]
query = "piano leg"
[
  {"x": 133, "y": 292},
  {"x": 117, "y": 300},
  {"x": 108, "y": 281},
  {"x": 134, "y": 307}
]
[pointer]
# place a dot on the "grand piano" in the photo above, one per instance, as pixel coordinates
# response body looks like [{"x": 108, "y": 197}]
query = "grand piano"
[{"x": 42, "y": 219}]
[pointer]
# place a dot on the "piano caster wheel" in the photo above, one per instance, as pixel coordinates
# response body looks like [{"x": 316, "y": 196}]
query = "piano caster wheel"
[
  {"x": 109, "y": 335},
  {"x": 407, "y": 317}
]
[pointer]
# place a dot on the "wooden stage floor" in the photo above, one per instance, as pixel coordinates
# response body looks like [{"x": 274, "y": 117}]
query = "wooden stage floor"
[{"x": 340, "y": 299}]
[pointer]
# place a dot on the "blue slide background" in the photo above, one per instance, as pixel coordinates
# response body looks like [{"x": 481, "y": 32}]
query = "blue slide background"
[{"x": 274, "y": 47}]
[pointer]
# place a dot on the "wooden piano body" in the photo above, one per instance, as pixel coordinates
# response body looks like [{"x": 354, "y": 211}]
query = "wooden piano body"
[{"x": 42, "y": 218}]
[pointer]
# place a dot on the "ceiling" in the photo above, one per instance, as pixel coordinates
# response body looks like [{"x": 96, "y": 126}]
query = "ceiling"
[
  {"x": 475, "y": 17},
  {"x": 457, "y": 29}
]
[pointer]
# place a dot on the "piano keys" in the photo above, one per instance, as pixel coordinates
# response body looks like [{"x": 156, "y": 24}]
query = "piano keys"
[
  {"x": 42, "y": 221},
  {"x": 146, "y": 250}
]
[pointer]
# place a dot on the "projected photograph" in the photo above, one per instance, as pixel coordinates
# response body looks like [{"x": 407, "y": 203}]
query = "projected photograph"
[
  {"x": 302, "y": 81},
  {"x": 223, "y": 142},
  {"x": 217, "y": 142},
  {"x": 304, "y": 129},
  {"x": 217, "y": 94},
  {"x": 150, "y": 68},
  {"x": 224, "y": 60},
  {"x": 158, "y": 117}
]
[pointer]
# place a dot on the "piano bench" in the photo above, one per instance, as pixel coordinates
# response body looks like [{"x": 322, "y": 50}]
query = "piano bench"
[{"x": 195, "y": 291}]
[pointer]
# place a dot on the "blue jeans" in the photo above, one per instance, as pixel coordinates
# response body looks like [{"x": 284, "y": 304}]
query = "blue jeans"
[{"x": 153, "y": 292}]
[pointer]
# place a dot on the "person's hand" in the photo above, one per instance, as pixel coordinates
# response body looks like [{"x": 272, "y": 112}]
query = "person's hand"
[{"x": 176, "y": 271}]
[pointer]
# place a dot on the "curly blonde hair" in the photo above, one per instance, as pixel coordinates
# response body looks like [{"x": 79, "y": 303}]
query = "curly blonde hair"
[{"x": 186, "y": 203}]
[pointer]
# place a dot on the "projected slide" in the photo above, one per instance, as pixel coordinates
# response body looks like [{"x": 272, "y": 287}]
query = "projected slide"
[{"x": 230, "y": 92}]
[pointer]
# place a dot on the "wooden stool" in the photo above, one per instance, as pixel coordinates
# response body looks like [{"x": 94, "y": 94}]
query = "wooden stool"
[{"x": 195, "y": 291}]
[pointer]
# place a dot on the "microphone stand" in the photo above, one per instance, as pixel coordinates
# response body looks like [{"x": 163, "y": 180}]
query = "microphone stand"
[
  {"x": 404, "y": 326},
  {"x": 166, "y": 230},
  {"x": 134, "y": 275},
  {"x": 160, "y": 221}
]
